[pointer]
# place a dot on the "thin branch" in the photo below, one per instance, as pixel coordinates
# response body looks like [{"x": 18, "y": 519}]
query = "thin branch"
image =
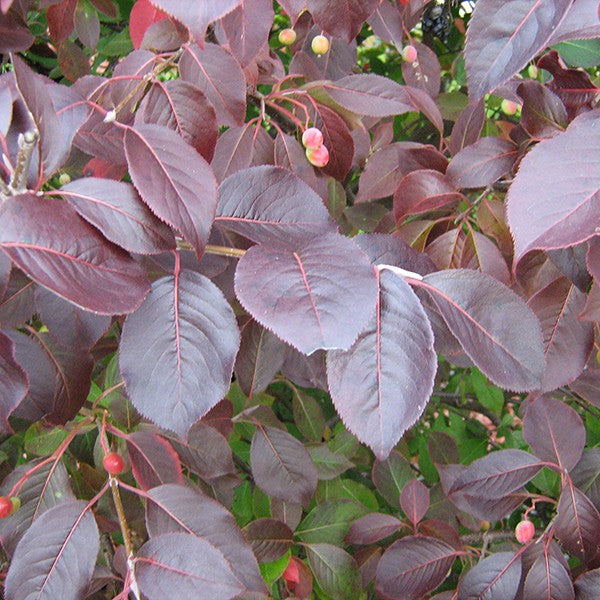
[
  {"x": 466, "y": 403},
  {"x": 26, "y": 142}
]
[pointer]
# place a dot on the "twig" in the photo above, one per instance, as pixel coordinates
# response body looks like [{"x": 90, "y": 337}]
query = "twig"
[
  {"x": 466, "y": 403},
  {"x": 26, "y": 142}
]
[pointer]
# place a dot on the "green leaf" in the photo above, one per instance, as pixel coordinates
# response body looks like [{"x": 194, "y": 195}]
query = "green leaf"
[
  {"x": 329, "y": 521},
  {"x": 335, "y": 571},
  {"x": 40, "y": 441},
  {"x": 580, "y": 53},
  {"x": 489, "y": 395},
  {"x": 329, "y": 465},
  {"x": 242, "y": 504},
  {"x": 308, "y": 416},
  {"x": 272, "y": 571}
]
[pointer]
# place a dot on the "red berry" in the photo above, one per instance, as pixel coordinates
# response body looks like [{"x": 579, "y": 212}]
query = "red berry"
[
  {"x": 319, "y": 44},
  {"x": 409, "y": 54},
  {"x": 318, "y": 157},
  {"x": 287, "y": 37},
  {"x": 524, "y": 531},
  {"x": 291, "y": 575},
  {"x": 312, "y": 138},
  {"x": 113, "y": 463},
  {"x": 6, "y": 507},
  {"x": 509, "y": 107}
]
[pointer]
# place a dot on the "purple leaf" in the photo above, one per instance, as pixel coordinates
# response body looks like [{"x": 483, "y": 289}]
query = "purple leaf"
[
  {"x": 341, "y": 18},
  {"x": 586, "y": 475},
  {"x": 386, "y": 168},
  {"x": 270, "y": 539},
  {"x": 587, "y": 585},
  {"x": 335, "y": 570},
  {"x": 45, "y": 488},
  {"x": 412, "y": 567},
  {"x": 270, "y": 204},
  {"x": 289, "y": 154},
  {"x": 247, "y": 28},
  {"x": 220, "y": 77},
  {"x": 479, "y": 252},
  {"x": 370, "y": 95},
  {"x": 543, "y": 114},
  {"x": 421, "y": 191},
  {"x": 381, "y": 385},
  {"x": 59, "y": 378},
  {"x": 492, "y": 477},
  {"x": 281, "y": 466},
  {"x": 547, "y": 578},
  {"x": 68, "y": 325},
  {"x": 497, "y": 330},
  {"x": 182, "y": 107},
  {"x": 482, "y": 163},
  {"x": 293, "y": 8},
  {"x": 47, "y": 239},
  {"x": 504, "y": 35},
  {"x": 581, "y": 22},
  {"x": 317, "y": 293},
  {"x": 153, "y": 460},
  {"x": 56, "y": 556},
  {"x": 260, "y": 357},
  {"x": 337, "y": 139},
  {"x": 233, "y": 151},
  {"x": 176, "y": 371},
  {"x": 100, "y": 139},
  {"x": 372, "y": 528},
  {"x": 39, "y": 104},
  {"x": 115, "y": 208},
  {"x": 173, "y": 180},
  {"x": 495, "y": 578},
  {"x": 414, "y": 500},
  {"x": 577, "y": 524},
  {"x": 13, "y": 382},
  {"x": 176, "y": 508},
  {"x": 196, "y": 15},
  {"x": 390, "y": 476},
  {"x": 554, "y": 431},
  {"x": 184, "y": 565},
  {"x": 467, "y": 127},
  {"x": 423, "y": 73},
  {"x": 565, "y": 214},
  {"x": 567, "y": 340}
]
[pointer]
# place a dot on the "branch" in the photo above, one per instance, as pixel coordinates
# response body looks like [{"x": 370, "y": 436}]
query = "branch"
[
  {"x": 466, "y": 403},
  {"x": 26, "y": 142},
  {"x": 288, "y": 126}
]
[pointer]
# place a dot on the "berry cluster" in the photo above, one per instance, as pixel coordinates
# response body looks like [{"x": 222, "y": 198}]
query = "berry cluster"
[{"x": 316, "y": 151}]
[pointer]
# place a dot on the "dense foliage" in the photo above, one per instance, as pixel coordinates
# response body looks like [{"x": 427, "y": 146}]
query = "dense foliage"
[{"x": 300, "y": 299}]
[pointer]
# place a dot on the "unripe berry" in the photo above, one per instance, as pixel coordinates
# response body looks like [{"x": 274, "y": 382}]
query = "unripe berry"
[
  {"x": 64, "y": 179},
  {"x": 287, "y": 37},
  {"x": 509, "y": 107},
  {"x": 532, "y": 71},
  {"x": 312, "y": 138},
  {"x": 318, "y": 157},
  {"x": 6, "y": 507},
  {"x": 319, "y": 44},
  {"x": 524, "y": 531},
  {"x": 409, "y": 54},
  {"x": 16, "y": 504},
  {"x": 113, "y": 463}
]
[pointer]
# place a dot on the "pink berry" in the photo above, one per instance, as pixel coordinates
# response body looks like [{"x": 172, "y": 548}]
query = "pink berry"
[
  {"x": 287, "y": 37},
  {"x": 319, "y": 44},
  {"x": 409, "y": 54},
  {"x": 312, "y": 138},
  {"x": 524, "y": 531},
  {"x": 318, "y": 157},
  {"x": 509, "y": 107},
  {"x": 113, "y": 463}
]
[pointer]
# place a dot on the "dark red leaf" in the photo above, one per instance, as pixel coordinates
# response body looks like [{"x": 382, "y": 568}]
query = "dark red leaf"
[
  {"x": 176, "y": 371},
  {"x": 412, "y": 567},
  {"x": 281, "y": 466},
  {"x": 234, "y": 151},
  {"x": 338, "y": 141},
  {"x": 47, "y": 239},
  {"x": 567, "y": 340},
  {"x": 176, "y": 508},
  {"x": 318, "y": 293},
  {"x": 341, "y": 18},
  {"x": 13, "y": 382},
  {"x": 56, "y": 556},
  {"x": 270, "y": 204},
  {"x": 153, "y": 460},
  {"x": 184, "y": 565},
  {"x": 423, "y": 73},
  {"x": 504, "y": 35},
  {"x": 372, "y": 528},
  {"x": 270, "y": 539},
  {"x": 60, "y": 19},
  {"x": 581, "y": 22},
  {"x": 587, "y": 585},
  {"x": 184, "y": 108},
  {"x": 565, "y": 214},
  {"x": 115, "y": 208},
  {"x": 414, "y": 500},
  {"x": 142, "y": 16},
  {"x": 87, "y": 25},
  {"x": 482, "y": 163},
  {"x": 289, "y": 154},
  {"x": 543, "y": 114},
  {"x": 219, "y": 417},
  {"x": 380, "y": 386},
  {"x": 173, "y": 180},
  {"x": 547, "y": 578},
  {"x": 494, "y": 577},
  {"x": 220, "y": 77},
  {"x": 467, "y": 127}
]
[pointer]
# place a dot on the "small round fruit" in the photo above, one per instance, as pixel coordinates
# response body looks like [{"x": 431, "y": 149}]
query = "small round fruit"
[
  {"x": 409, "y": 54},
  {"x": 113, "y": 463},
  {"x": 64, "y": 179},
  {"x": 16, "y": 504},
  {"x": 319, "y": 44},
  {"x": 287, "y": 37},
  {"x": 312, "y": 138},
  {"x": 509, "y": 107},
  {"x": 524, "y": 531},
  {"x": 533, "y": 71},
  {"x": 318, "y": 157},
  {"x": 484, "y": 525},
  {"x": 6, "y": 507}
]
